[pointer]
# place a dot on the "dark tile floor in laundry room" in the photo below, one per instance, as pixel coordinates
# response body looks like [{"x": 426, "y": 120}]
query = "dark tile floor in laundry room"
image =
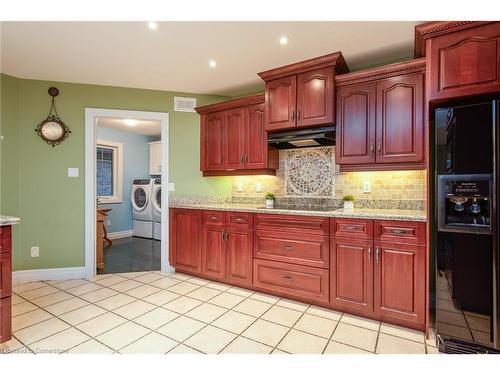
[{"x": 131, "y": 254}]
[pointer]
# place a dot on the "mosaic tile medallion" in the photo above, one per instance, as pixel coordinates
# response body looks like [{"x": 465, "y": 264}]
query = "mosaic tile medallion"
[{"x": 310, "y": 172}]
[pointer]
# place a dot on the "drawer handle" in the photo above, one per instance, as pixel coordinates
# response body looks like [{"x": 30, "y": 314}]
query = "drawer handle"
[
  {"x": 239, "y": 220},
  {"x": 400, "y": 231},
  {"x": 213, "y": 218},
  {"x": 287, "y": 278},
  {"x": 288, "y": 247},
  {"x": 352, "y": 227}
]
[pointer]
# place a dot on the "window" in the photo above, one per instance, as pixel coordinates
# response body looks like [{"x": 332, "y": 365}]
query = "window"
[{"x": 109, "y": 171}]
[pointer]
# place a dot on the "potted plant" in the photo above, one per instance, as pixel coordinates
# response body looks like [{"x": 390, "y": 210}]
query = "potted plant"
[
  {"x": 270, "y": 197},
  {"x": 348, "y": 202}
]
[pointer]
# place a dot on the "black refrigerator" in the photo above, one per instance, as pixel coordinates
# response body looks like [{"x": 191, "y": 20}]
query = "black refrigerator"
[{"x": 466, "y": 166}]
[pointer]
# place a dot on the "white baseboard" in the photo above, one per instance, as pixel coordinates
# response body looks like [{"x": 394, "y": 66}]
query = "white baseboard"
[
  {"x": 48, "y": 274},
  {"x": 122, "y": 234}
]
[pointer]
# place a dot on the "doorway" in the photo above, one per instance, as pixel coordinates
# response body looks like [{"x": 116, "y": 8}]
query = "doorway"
[{"x": 126, "y": 191}]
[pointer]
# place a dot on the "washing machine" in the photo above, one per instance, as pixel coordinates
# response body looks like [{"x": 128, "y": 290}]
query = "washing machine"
[
  {"x": 156, "y": 201},
  {"x": 142, "y": 208}
]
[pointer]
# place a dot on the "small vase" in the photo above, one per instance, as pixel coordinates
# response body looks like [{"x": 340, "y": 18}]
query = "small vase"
[
  {"x": 348, "y": 205},
  {"x": 269, "y": 203}
]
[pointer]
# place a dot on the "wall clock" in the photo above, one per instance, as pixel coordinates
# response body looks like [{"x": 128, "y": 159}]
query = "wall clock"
[{"x": 53, "y": 130}]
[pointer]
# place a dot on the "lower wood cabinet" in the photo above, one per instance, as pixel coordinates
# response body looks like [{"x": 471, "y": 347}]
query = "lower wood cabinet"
[
  {"x": 291, "y": 280},
  {"x": 185, "y": 239},
  {"x": 351, "y": 275},
  {"x": 400, "y": 282},
  {"x": 373, "y": 268},
  {"x": 5, "y": 283}
]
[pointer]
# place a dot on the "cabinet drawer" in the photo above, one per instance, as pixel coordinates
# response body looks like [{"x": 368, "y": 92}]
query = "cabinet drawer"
[
  {"x": 5, "y": 275},
  {"x": 292, "y": 280},
  {"x": 292, "y": 248},
  {"x": 5, "y": 319},
  {"x": 351, "y": 228},
  {"x": 214, "y": 217},
  {"x": 239, "y": 219},
  {"x": 400, "y": 231},
  {"x": 5, "y": 239},
  {"x": 293, "y": 223}
]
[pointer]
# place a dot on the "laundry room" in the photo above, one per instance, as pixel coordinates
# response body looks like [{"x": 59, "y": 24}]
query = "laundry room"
[{"x": 128, "y": 190}]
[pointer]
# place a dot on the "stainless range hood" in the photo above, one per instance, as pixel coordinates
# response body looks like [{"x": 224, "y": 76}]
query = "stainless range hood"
[{"x": 303, "y": 138}]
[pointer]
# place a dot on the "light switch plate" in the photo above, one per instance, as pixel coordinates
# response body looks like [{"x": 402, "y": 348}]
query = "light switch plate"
[
  {"x": 240, "y": 187},
  {"x": 171, "y": 186},
  {"x": 366, "y": 187},
  {"x": 72, "y": 172},
  {"x": 35, "y": 251}
]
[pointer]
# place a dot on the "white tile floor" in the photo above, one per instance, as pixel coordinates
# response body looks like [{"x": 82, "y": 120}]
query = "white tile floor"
[{"x": 154, "y": 312}]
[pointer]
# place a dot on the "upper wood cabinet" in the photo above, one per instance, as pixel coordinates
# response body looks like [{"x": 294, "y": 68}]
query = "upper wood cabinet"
[
  {"x": 302, "y": 94},
  {"x": 463, "y": 57},
  {"x": 355, "y": 128},
  {"x": 234, "y": 140},
  {"x": 380, "y": 118}
]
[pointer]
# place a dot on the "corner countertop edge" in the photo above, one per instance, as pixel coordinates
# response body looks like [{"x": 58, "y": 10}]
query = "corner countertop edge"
[{"x": 8, "y": 220}]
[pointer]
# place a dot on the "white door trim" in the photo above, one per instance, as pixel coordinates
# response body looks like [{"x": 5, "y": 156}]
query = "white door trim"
[{"x": 90, "y": 190}]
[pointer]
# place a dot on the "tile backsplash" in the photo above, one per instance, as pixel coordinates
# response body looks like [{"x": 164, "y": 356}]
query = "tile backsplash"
[{"x": 312, "y": 173}]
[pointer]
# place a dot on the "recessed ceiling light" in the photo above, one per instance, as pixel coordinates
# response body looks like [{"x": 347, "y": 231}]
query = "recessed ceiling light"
[
  {"x": 212, "y": 63},
  {"x": 131, "y": 122},
  {"x": 152, "y": 25},
  {"x": 284, "y": 40}
]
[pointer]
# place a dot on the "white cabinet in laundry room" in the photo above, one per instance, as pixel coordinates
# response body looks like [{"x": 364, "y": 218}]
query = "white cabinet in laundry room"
[{"x": 155, "y": 158}]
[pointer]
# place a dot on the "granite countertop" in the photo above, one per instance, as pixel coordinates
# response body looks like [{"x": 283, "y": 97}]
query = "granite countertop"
[
  {"x": 8, "y": 220},
  {"x": 369, "y": 213}
]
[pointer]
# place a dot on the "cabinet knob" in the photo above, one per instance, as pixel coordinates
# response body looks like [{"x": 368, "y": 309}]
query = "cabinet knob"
[
  {"x": 369, "y": 254},
  {"x": 293, "y": 114},
  {"x": 376, "y": 254},
  {"x": 379, "y": 149},
  {"x": 246, "y": 158},
  {"x": 372, "y": 148},
  {"x": 298, "y": 115},
  {"x": 288, "y": 247},
  {"x": 242, "y": 159},
  {"x": 287, "y": 278}
]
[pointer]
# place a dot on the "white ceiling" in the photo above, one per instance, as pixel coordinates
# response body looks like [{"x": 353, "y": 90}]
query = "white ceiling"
[
  {"x": 144, "y": 127},
  {"x": 175, "y": 56}
]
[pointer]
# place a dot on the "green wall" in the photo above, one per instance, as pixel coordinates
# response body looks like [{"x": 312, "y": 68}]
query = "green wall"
[{"x": 35, "y": 186}]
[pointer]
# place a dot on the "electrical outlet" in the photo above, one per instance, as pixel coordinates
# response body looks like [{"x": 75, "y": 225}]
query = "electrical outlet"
[
  {"x": 72, "y": 172},
  {"x": 171, "y": 186},
  {"x": 366, "y": 187},
  {"x": 35, "y": 251},
  {"x": 108, "y": 222},
  {"x": 240, "y": 187},
  {"x": 258, "y": 187}
]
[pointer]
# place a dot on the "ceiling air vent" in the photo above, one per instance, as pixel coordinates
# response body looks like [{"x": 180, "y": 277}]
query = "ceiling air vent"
[{"x": 184, "y": 104}]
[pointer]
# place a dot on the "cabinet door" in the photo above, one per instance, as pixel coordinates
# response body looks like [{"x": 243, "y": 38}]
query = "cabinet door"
[
  {"x": 356, "y": 124},
  {"x": 351, "y": 275},
  {"x": 315, "y": 103},
  {"x": 464, "y": 63},
  {"x": 5, "y": 319},
  {"x": 212, "y": 138},
  {"x": 256, "y": 138},
  {"x": 234, "y": 143},
  {"x": 5, "y": 275},
  {"x": 280, "y": 101},
  {"x": 400, "y": 283},
  {"x": 239, "y": 257},
  {"x": 400, "y": 126},
  {"x": 214, "y": 252},
  {"x": 185, "y": 237}
]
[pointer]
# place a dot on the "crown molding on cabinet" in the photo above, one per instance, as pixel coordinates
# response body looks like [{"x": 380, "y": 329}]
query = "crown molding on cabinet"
[
  {"x": 230, "y": 104},
  {"x": 333, "y": 59},
  {"x": 386, "y": 71},
  {"x": 436, "y": 28}
]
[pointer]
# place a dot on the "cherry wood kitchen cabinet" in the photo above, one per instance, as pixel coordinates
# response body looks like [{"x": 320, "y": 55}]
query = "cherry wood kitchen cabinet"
[
  {"x": 351, "y": 275},
  {"x": 400, "y": 283},
  {"x": 212, "y": 140},
  {"x": 380, "y": 118},
  {"x": 302, "y": 94},
  {"x": 186, "y": 239},
  {"x": 463, "y": 58},
  {"x": 234, "y": 140},
  {"x": 355, "y": 128},
  {"x": 5, "y": 283},
  {"x": 378, "y": 270},
  {"x": 227, "y": 247}
]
